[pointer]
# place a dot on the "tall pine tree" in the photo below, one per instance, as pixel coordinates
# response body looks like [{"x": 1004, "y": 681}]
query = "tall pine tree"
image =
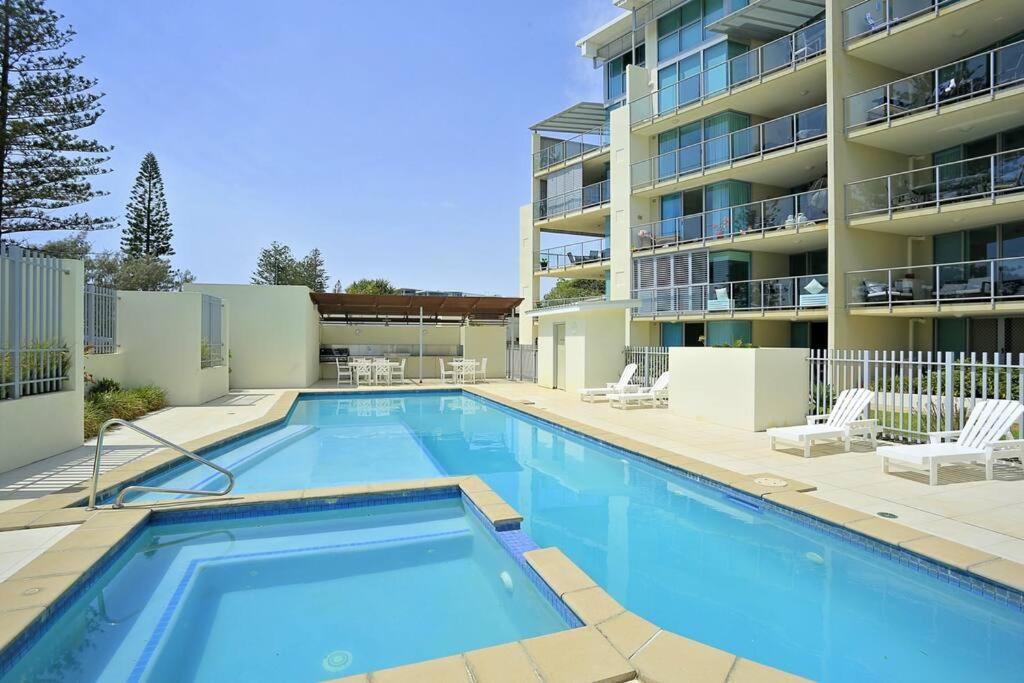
[
  {"x": 312, "y": 271},
  {"x": 276, "y": 266},
  {"x": 45, "y": 165},
  {"x": 149, "y": 223}
]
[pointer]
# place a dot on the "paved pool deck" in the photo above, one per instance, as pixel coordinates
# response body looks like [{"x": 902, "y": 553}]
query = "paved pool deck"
[{"x": 987, "y": 515}]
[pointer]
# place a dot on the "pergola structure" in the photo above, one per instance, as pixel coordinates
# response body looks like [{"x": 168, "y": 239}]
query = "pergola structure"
[{"x": 412, "y": 310}]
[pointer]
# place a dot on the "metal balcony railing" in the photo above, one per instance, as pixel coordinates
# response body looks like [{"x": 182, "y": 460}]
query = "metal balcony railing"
[
  {"x": 795, "y": 211},
  {"x": 977, "y": 76},
  {"x": 552, "y": 303},
  {"x": 874, "y": 16},
  {"x": 770, "y": 136},
  {"x": 586, "y": 197},
  {"x": 571, "y": 149},
  {"x": 987, "y": 281},
  {"x": 748, "y": 296},
  {"x": 989, "y": 176},
  {"x": 576, "y": 254},
  {"x": 787, "y": 51}
]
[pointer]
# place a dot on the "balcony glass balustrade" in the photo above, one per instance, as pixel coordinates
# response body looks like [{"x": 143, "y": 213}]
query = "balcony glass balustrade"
[
  {"x": 989, "y": 280},
  {"x": 577, "y": 254},
  {"x": 584, "y": 198},
  {"x": 872, "y": 16},
  {"x": 770, "y": 136},
  {"x": 792, "y": 293},
  {"x": 989, "y": 176},
  {"x": 572, "y": 149},
  {"x": 975, "y": 76},
  {"x": 779, "y": 213},
  {"x": 786, "y": 51}
]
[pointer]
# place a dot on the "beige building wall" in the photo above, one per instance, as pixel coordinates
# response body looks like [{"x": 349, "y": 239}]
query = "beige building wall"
[
  {"x": 594, "y": 342},
  {"x": 37, "y": 427},
  {"x": 276, "y": 335},
  {"x": 486, "y": 341}
]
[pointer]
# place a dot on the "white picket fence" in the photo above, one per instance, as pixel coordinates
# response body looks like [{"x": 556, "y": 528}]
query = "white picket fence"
[
  {"x": 651, "y": 361},
  {"x": 916, "y": 392}
]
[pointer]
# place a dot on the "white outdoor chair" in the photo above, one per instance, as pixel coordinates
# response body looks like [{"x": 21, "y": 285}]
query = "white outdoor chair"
[
  {"x": 446, "y": 375},
  {"x": 657, "y": 394},
  {"x": 398, "y": 372},
  {"x": 480, "y": 373},
  {"x": 978, "y": 441},
  {"x": 841, "y": 424},
  {"x": 381, "y": 371},
  {"x": 344, "y": 372},
  {"x": 363, "y": 371},
  {"x": 619, "y": 387}
]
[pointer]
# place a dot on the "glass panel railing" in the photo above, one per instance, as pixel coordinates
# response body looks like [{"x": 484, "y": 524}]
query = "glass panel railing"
[
  {"x": 781, "y": 293},
  {"x": 988, "y": 176},
  {"x": 796, "y": 211},
  {"x": 962, "y": 80},
  {"x": 872, "y": 16},
  {"x": 945, "y": 283},
  {"x": 787, "y": 51},
  {"x": 796, "y": 128},
  {"x": 583, "y": 253},
  {"x": 575, "y": 200},
  {"x": 571, "y": 149}
]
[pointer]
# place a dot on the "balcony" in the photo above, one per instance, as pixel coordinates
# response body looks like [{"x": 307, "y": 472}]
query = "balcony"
[
  {"x": 723, "y": 152},
  {"x": 589, "y": 257},
  {"x": 587, "y": 197},
  {"x": 555, "y": 303},
  {"x": 783, "y": 297},
  {"x": 964, "y": 194},
  {"x": 750, "y": 68},
  {"x": 571, "y": 150},
  {"x": 791, "y": 214},
  {"x": 930, "y": 31},
  {"x": 899, "y": 115},
  {"x": 979, "y": 285}
]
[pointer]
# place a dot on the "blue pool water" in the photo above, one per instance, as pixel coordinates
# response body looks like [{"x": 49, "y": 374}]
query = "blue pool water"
[
  {"x": 683, "y": 554},
  {"x": 300, "y": 596}
]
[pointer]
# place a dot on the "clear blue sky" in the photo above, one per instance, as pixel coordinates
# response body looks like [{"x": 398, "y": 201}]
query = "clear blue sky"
[{"x": 391, "y": 135}]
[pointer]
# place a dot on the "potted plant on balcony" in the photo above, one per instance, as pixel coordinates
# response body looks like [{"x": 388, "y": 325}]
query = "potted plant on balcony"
[{"x": 543, "y": 264}]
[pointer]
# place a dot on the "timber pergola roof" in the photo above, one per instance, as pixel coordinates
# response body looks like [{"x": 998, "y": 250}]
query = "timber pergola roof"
[{"x": 372, "y": 308}]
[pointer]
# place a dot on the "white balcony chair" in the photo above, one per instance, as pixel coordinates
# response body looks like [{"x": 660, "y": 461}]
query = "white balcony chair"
[
  {"x": 344, "y": 372},
  {"x": 619, "y": 387},
  {"x": 978, "y": 441},
  {"x": 446, "y": 375},
  {"x": 657, "y": 394},
  {"x": 842, "y": 423}
]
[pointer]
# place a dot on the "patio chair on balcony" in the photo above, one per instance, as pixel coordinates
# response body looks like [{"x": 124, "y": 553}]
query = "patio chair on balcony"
[
  {"x": 879, "y": 292},
  {"x": 980, "y": 440},
  {"x": 656, "y": 394},
  {"x": 843, "y": 423},
  {"x": 619, "y": 387},
  {"x": 721, "y": 302},
  {"x": 814, "y": 294},
  {"x": 972, "y": 288}
]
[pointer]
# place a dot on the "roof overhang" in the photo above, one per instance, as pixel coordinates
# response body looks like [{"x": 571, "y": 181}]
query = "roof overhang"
[
  {"x": 398, "y": 309},
  {"x": 768, "y": 19},
  {"x": 581, "y": 117},
  {"x": 613, "y": 30},
  {"x": 581, "y": 307}
]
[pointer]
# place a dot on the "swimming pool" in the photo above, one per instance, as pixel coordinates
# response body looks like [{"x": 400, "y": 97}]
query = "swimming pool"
[
  {"x": 294, "y": 595},
  {"x": 706, "y": 562}
]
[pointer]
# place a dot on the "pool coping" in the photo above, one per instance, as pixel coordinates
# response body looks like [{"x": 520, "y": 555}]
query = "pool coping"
[
  {"x": 602, "y": 642},
  {"x": 968, "y": 567}
]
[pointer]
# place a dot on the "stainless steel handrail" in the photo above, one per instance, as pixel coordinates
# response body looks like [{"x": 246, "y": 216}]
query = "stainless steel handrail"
[{"x": 119, "y": 501}]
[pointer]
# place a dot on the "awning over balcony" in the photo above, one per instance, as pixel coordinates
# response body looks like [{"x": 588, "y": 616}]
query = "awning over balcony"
[
  {"x": 768, "y": 19},
  {"x": 369, "y": 308},
  {"x": 579, "y": 118}
]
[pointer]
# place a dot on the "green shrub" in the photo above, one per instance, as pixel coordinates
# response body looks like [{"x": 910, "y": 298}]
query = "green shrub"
[
  {"x": 37, "y": 361},
  {"x": 126, "y": 404},
  {"x": 104, "y": 385}
]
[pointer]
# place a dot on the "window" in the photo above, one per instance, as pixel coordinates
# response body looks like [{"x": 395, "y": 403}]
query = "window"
[
  {"x": 615, "y": 73},
  {"x": 680, "y": 30}
]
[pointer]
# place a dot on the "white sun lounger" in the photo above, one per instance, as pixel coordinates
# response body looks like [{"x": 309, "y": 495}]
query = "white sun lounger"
[
  {"x": 619, "y": 387},
  {"x": 656, "y": 393},
  {"x": 978, "y": 441},
  {"x": 842, "y": 423}
]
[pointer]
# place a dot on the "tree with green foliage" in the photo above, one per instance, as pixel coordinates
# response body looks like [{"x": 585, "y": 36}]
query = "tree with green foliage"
[
  {"x": 371, "y": 286},
  {"x": 149, "y": 222},
  {"x": 45, "y": 165},
  {"x": 312, "y": 271},
  {"x": 575, "y": 289},
  {"x": 112, "y": 269},
  {"x": 276, "y": 266}
]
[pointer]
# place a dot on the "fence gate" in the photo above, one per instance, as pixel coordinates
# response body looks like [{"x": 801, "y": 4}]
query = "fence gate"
[
  {"x": 521, "y": 365},
  {"x": 100, "y": 319}
]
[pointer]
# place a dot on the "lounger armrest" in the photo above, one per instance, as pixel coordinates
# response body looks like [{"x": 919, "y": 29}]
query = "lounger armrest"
[
  {"x": 864, "y": 425},
  {"x": 815, "y": 419},
  {"x": 939, "y": 437},
  {"x": 1007, "y": 445}
]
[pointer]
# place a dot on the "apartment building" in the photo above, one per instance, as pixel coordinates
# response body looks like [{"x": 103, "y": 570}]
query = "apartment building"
[{"x": 808, "y": 173}]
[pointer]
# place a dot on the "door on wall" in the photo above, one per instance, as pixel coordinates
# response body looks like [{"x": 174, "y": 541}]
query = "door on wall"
[{"x": 559, "y": 359}]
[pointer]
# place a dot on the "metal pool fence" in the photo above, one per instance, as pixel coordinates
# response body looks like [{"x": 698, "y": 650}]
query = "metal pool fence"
[
  {"x": 522, "y": 362},
  {"x": 916, "y": 392},
  {"x": 100, "y": 319},
  {"x": 651, "y": 361},
  {"x": 33, "y": 356},
  {"x": 212, "y": 343}
]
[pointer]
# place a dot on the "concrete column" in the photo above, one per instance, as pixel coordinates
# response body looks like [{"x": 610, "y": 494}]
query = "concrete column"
[{"x": 529, "y": 284}]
